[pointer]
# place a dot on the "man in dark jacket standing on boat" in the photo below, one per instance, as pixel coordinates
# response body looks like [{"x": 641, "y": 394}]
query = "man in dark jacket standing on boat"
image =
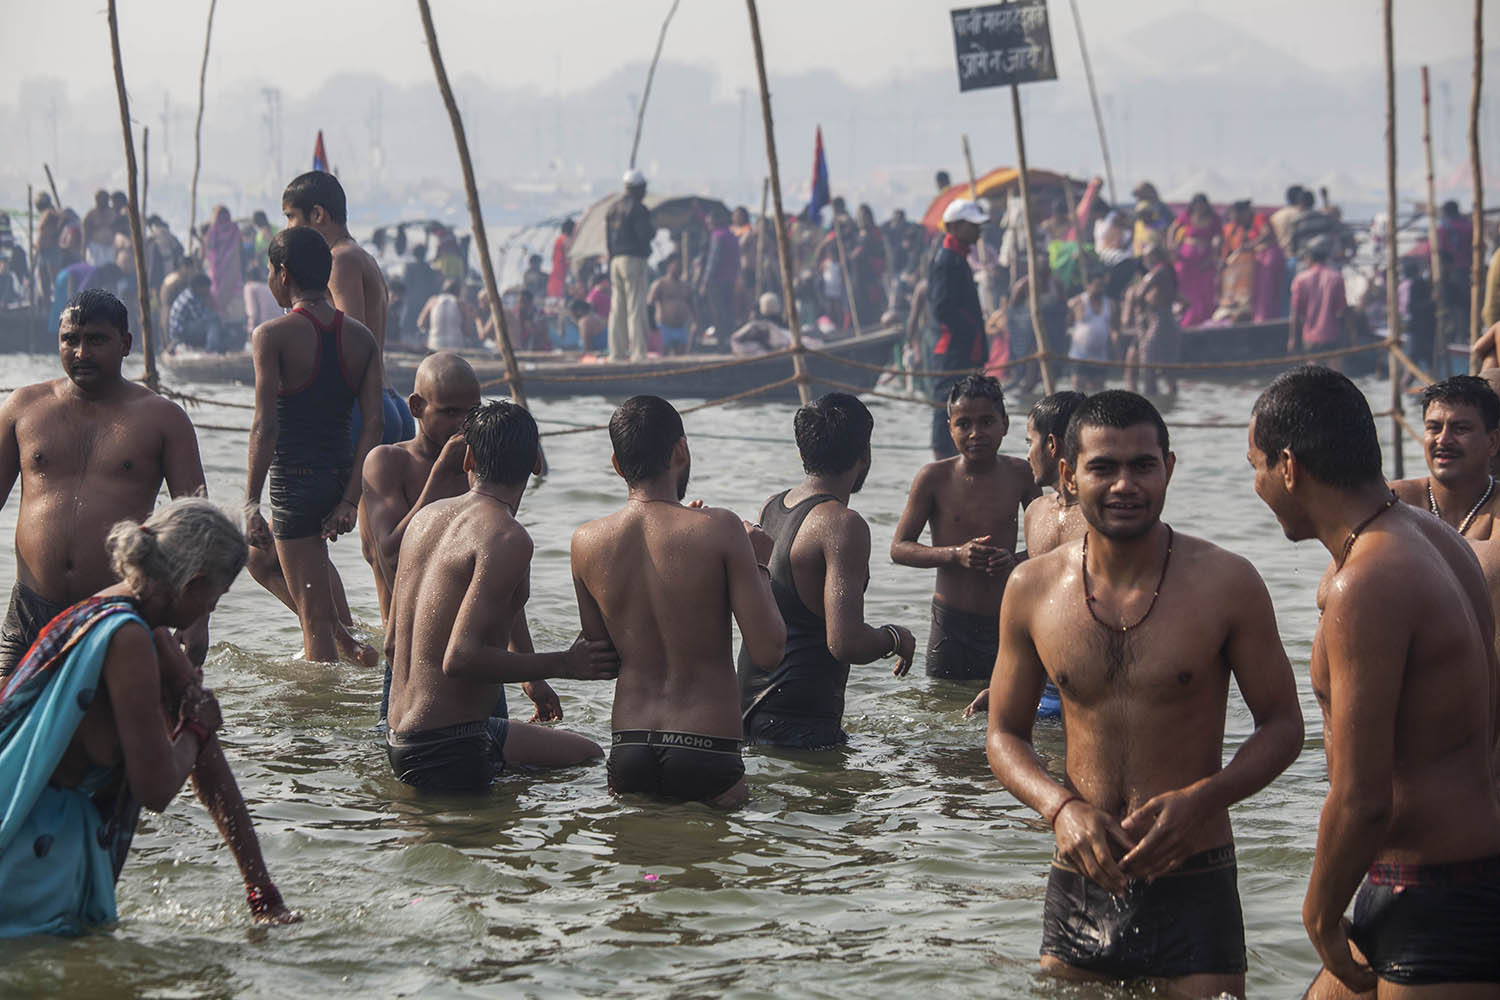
[
  {"x": 628, "y": 232},
  {"x": 954, "y": 299}
]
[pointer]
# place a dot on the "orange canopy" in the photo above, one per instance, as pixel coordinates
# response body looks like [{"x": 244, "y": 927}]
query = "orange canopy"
[{"x": 993, "y": 183}]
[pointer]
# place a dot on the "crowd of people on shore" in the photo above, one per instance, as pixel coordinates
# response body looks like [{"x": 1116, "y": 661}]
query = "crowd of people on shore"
[
  {"x": 1115, "y": 283},
  {"x": 1105, "y": 616}
]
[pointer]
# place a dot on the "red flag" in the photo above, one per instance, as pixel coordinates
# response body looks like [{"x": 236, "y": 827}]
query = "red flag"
[{"x": 320, "y": 156}]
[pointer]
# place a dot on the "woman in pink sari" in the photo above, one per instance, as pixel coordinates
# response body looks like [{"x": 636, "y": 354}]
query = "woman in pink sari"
[
  {"x": 222, "y": 258},
  {"x": 1266, "y": 301},
  {"x": 1195, "y": 238}
]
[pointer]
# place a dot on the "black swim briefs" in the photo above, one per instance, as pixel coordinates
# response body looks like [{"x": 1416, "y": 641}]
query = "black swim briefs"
[
  {"x": 688, "y": 767},
  {"x": 962, "y": 645},
  {"x": 28, "y": 614},
  {"x": 1424, "y": 924},
  {"x": 1184, "y": 923},
  {"x": 464, "y": 757},
  {"x": 796, "y": 732},
  {"x": 302, "y": 498}
]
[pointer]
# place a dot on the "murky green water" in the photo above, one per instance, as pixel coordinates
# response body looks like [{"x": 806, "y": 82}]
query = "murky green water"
[{"x": 894, "y": 867}]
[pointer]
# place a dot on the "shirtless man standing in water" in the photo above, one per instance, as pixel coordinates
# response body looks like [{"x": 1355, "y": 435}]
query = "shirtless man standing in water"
[
  {"x": 660, "y": 581},
  {"x": 458, "y": 631},
  {"x": 970, "y": 502},
  {"x": 1140, "y": 629},
  {"x": 1404, "y": 668},
  {"x": 93, "y": 449},
  {"x": 1051, "y": 519}
]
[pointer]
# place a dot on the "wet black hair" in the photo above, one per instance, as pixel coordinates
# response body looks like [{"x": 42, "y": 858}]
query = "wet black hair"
[
  {"x": 568, "y": 225},
  {"x": 502, "y": 435},
  {"x": 978, "y": 387},
  {"x": 1115, "y": 408},
  {"x": 305, "y": 255},
  {"x": 643, "y": 431},
  {"x": 1321, "y": 417},
  {"x": 97, "y": 305},
  {"x": 1050, "y": 414},
  {"x": 833, "y": 433},
  {"x": 1307, "y": 199},
  {"x": 259, "y": 218},
  {"x": 1465, "y": 390},
  {"x": 1294, "y": 194},
  {"x": 317, "y": 188}
]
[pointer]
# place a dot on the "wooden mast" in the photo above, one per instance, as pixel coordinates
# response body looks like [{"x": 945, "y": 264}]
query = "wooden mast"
[{"x": 143, "y": 290}]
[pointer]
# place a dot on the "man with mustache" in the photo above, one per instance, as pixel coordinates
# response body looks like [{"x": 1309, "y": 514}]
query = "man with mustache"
[
  {"x": 90, "y": 450},
  {"x": 660, "y": 580},
  {"x": 1141, "y": 629},
  {"x": 1461, "y": 436},
  {"x": 819, "y": 567},
  {"x": 1404, "y": 670}
]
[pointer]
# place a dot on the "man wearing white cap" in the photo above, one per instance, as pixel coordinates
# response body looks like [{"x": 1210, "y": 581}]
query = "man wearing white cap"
[
  {"x": 628, "y": 234},
  {"x": 954, "y": 300}
]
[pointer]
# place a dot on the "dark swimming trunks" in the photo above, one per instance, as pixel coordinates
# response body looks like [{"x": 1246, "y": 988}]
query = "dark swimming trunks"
[
  {"x": 399, "y": 424},
  {"x": 801, "y": 702},
  {"x": 465, "y": 757},
  {"x": 1185, "y": 923},
  {"x": 1424, "y": 924},
  {"x": 24, "y": 619},
  {"x": 962, "y": 645},
  {"x": 688, "y": 767},
  {"x": 302, "y": 498}
]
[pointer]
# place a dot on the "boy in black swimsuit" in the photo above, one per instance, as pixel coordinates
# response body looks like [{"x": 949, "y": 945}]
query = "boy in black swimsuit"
[
  {"x": 660, "y": 580},
  {"x": 819, "y": 567},
  {"x": 457, "y": 629},
  {"x": 970, "y": 502},
  {"x": 310, "y": 367}
]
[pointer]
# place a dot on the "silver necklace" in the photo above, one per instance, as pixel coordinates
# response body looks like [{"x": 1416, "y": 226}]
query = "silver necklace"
[{"x": 1469, "y": 519}]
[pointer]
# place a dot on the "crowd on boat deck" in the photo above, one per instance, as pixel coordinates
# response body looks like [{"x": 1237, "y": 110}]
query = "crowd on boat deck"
[{"x": 713, "y": 281}]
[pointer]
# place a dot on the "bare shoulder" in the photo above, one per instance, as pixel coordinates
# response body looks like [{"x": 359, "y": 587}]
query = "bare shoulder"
[
  {"x": 1412, "y": 491},
  {"x": 1032, "y": 578},
  {"x": 1212, "y": 566},
  {"x": 839, "y": 521},
  {"x": 387, "y": 462},
  {"x": 27, "y": 397},
  {"x": 934, "y": 473}
]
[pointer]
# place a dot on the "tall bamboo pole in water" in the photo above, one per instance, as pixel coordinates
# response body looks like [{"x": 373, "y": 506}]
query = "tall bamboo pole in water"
[
  {"x": 640, "y": 117},
  {"x": 145, "y": 169},
  {"x": 1476, "y": 167},
  {"x": 1392, "y": 293},
  {"x": 789, "y": 290},
  {"x": 760, "y": 242},
  {"x": 476, "y": 217},
  {"x": 36, "y": 291},
  {"x": 1033, "y": 293},
  {"x": 1440, "y": 341},
  {"x": 143, "y": 291},
  {"x": 1088, "y": 72},
  {"x": 208, "y": 34}
]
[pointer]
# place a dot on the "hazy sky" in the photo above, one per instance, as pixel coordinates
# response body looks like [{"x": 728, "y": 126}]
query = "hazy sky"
[{"x": 563, "y": 45}]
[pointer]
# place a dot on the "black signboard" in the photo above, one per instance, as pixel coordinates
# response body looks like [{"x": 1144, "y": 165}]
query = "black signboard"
[{"x": 1003, "y": 44}]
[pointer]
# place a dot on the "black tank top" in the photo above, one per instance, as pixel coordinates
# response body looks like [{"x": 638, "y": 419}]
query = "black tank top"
[
  {"x": 809, "y": 681},
  {"x": 313, "y": 418}
]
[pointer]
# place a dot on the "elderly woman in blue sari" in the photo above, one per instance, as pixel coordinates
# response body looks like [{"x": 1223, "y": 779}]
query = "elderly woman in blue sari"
[{"x": 105, "y": 714}]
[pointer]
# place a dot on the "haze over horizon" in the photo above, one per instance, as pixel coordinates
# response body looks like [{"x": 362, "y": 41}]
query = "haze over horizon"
[{"x": 1196, "y": 95}]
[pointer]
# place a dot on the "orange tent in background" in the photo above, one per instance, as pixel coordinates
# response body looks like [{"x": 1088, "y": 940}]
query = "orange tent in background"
[{"x": 997, "y": 182}]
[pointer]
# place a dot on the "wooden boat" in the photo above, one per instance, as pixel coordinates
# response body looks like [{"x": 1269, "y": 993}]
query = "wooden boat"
[
  {"x": 1249, "y": 342},
  {"x": 553, "y": 376}
]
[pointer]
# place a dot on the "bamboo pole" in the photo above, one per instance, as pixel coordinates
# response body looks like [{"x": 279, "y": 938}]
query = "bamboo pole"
[
  {"x": 56, "y": 198},
  {"x": 1032, "y": 292},
  {"x": 986, "y": 286},
  {"x": 1476, "y": 167},
  {"x": 640, "y": 117},
  {"x": 838, "y": 240},
  {"x": 760, "y": 243},
  {"x": 34, "y": 299},
  {"x": 1440, "y": 341},
  {"x": 476, "y": 216},
  {"x": 1088, "y": 72},
  {"x": 789, "y": 290},
  {"x": 208, "y": 34},
  {"x": 145, "y": 169},
  {"x": 143, "y": 292},
  {"x": 1392, "y": 281}
]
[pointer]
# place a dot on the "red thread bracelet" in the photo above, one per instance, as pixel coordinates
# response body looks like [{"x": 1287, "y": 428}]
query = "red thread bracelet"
[{"x": 1072, "y": 797}]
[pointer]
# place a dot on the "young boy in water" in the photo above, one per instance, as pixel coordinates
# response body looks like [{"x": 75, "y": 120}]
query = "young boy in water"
[{"x": 971, "y": 502}]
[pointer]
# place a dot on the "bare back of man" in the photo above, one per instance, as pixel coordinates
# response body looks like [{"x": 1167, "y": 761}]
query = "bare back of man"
[
  {"x": 673, "y": 300},
  {"x": 358, "y": 287}
]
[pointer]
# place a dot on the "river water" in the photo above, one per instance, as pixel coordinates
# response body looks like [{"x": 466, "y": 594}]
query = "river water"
[{"x": 894, "y": 867}]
